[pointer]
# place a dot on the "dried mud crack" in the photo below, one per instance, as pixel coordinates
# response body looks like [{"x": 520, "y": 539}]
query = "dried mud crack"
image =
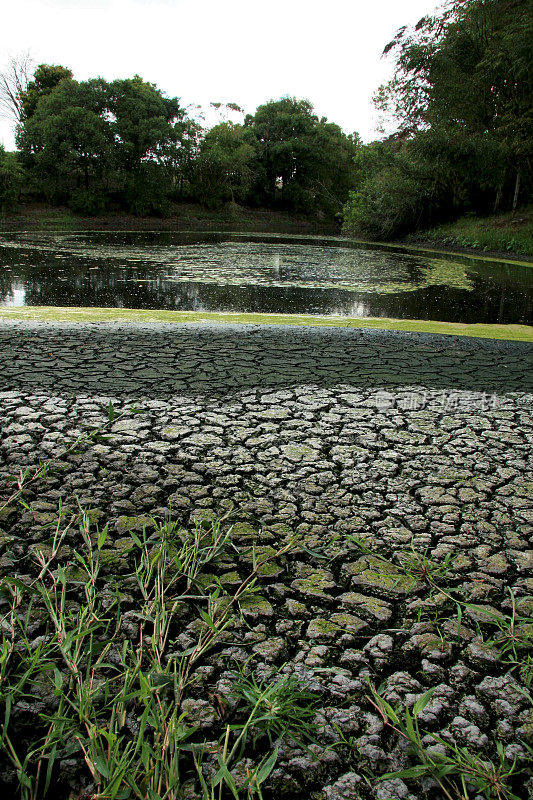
[
  {"x": 162, "y": 359},
  {"x": 405, "y": 502}
]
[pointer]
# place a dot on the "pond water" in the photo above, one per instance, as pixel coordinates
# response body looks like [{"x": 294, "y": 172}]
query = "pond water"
[{"x": 261, "y": 273}]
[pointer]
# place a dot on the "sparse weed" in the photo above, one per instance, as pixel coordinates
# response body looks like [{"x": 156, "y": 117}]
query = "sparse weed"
[
  {"x": 277, "y": 710},
  {"x": 458, "y": 772},
  {"x": 112, "y": 696},
  {"x": 421, "y": 568},
  {"x": 281, "y": 707},
  {"x": 513, "y": 638},
  {"x": 514, "y": 631}
]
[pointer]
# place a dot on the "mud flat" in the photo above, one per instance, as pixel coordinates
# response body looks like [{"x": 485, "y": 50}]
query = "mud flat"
[{"x": 403, "y": 467}]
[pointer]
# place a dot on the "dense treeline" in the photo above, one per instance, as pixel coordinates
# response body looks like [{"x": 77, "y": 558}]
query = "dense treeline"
[
  {"x": 97, "y": 144},
  {"x": 461, "y": 98},
  {"x": 460, "y": 101}
]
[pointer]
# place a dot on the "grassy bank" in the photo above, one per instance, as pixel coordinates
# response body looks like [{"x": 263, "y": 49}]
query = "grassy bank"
[
  {"x": 184, "y": 216},
  {"x": 501, "y": 233},
  {"x": 523, "y": 333}
]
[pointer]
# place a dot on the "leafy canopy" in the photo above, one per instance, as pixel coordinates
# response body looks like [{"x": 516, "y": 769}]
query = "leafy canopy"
[{"x": 461, "y": 103}]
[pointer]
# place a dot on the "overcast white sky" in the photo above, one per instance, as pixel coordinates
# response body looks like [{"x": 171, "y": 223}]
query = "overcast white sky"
[{"x": 241, "y": 51}]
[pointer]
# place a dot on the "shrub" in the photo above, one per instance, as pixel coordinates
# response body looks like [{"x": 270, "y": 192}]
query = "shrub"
[
  {"x": 87, "y": 201},
  {"x": 11, "y": 179}
]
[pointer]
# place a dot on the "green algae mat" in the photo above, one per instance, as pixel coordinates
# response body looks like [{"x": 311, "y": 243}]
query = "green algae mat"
[{"x": 518, "y": 333}]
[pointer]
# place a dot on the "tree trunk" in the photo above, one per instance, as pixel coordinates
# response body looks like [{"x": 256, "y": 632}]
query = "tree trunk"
[
  {"x": 498, "y": 199},
  {"x": 516, "y": 190}
]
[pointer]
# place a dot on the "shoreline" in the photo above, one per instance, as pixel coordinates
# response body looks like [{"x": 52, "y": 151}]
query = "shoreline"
[
  {"x": 193, "y": 217},
  {"x": 98, "y": 315}
]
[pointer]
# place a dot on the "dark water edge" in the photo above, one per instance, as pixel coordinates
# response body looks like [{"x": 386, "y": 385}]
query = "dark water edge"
[{"x": 241, "y": 272}]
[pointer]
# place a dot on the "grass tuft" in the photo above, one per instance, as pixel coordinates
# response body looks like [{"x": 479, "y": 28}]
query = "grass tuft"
[{"x": 112, "y": 693}]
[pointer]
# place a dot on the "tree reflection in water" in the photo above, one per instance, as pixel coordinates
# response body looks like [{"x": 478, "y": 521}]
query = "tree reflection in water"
[{"x": 240, "y": 273}]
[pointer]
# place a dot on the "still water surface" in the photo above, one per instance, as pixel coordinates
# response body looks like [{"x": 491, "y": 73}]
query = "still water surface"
[{"x": 263, "y": 273}]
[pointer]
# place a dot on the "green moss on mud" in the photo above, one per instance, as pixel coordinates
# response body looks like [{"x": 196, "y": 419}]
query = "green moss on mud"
[
  {"x": 523, "y": 333},
  {"x": 137, "y": 524},
  {"x": 254, "y": 606},
  {"x": 381, "y": 576}
]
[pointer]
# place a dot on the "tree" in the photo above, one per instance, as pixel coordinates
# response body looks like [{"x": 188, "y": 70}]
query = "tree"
[
  {"x": 14, "y": 81},
  {"x": 68, "y": 145},
  {"x": 281, "y": 131},
  {"x": 468, "y": 71},
  {"x": 461, "y": 99},
  {"x": 304, "y": 162},
  {"x": 225, "y": 166},
  {"x": 148, "y": 129},
  {"x": 182, "y": 156},
  {"x": 45, "y": 79},
  {"x": 11, "y": 179},
  {"x": 225, "y": 110},
  {"x": 85, "y": 142},
  {"x": 333, "y": 171}
]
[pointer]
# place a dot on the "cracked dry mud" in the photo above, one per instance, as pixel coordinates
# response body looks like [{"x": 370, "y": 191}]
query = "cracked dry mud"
[
  {"x": 406, "y": 468},
  {"x": 162, "y": 359}
]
